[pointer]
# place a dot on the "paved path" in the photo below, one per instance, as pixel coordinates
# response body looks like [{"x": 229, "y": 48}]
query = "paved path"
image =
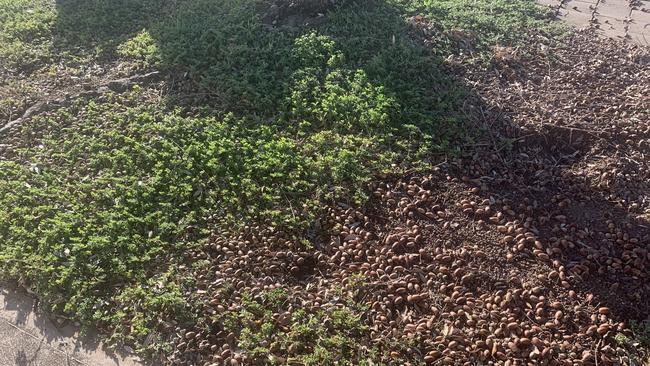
[
  {"x": 622, "y": 19},
  {"x": 29, "y": 338}
]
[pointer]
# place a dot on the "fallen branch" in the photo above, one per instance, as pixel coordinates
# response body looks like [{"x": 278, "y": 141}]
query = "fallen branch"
[{"x": 117, "y": 86}]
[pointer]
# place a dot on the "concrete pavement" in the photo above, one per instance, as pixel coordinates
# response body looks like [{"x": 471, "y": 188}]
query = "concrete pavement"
[
  {"x": 29, "y": 338},
  {"x": 621, "y": 19}
]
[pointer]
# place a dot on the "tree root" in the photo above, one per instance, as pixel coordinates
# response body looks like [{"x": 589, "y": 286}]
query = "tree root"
[{"x": 117, "y": 86}]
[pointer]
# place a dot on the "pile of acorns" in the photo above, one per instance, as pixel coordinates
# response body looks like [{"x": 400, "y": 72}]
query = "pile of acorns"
[{"x": 463, "y": 275}]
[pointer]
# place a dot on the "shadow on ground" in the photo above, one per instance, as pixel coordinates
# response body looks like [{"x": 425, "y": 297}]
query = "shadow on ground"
[
  {"x": 592, "y": 223},
  {"x": 234, "y": 57},
  {"x": 97, "y": 27}
]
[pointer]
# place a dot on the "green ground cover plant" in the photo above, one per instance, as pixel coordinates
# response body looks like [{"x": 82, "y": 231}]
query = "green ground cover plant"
[{"x": 25, "y": 32}]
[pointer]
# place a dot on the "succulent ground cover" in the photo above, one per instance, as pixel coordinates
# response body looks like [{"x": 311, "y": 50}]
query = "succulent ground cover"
[{"x": 347, "y": 182}]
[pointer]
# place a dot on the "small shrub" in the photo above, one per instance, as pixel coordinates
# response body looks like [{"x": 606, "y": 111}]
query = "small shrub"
[{"x": 141, "y": 50}]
